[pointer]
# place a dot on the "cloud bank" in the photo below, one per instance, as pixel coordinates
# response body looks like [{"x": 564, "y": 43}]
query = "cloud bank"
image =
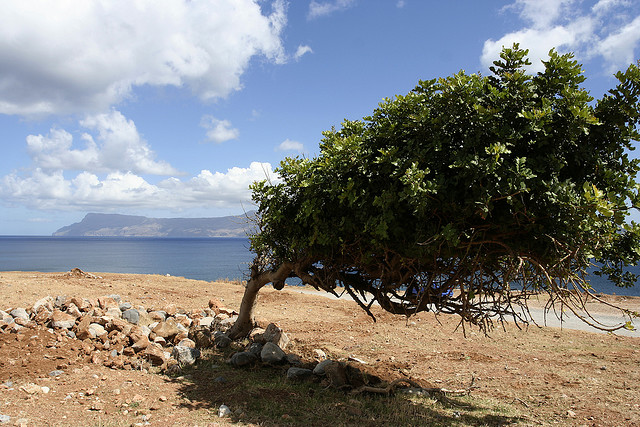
[
  {"x": 560, "y": 24},
  {"x": 85, "y": 56}
]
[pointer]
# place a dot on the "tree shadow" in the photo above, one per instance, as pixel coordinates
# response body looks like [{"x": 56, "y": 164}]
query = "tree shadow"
[{"x": 262, "y": 395}]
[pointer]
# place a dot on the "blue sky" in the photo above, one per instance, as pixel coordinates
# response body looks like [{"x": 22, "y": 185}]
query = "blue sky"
[{"x": 118, "y": 106}]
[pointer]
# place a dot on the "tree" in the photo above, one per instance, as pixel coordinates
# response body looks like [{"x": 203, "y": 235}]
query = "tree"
[{"x": 467, "y": 196}]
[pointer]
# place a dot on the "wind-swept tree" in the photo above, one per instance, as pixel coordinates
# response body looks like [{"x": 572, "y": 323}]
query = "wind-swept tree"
[{"x": 465, "y": 196}]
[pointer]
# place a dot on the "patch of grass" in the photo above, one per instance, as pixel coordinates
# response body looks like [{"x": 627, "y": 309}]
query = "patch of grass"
[{"x": 263, "y": 395}]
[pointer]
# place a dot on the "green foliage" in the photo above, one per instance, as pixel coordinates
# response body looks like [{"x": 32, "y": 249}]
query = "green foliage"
[{"x": 467, "y": 183}]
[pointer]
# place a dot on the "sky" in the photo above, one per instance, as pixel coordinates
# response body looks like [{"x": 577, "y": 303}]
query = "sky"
[{"x": 172, "y": 108}]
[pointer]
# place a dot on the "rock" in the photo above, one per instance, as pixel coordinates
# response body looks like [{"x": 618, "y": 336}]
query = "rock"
[
  {"x": 132, "y": 316},
  {"x": 31, "y": 388},
  {"x": 62, "y": 320},
  {"x": 224, "y": 411},
  {"x": 82, "y": 330},
  {"x": 158, "y": 316},
  {"x": 60, "y": 302},
  {"x": 46, "y": 302},
  {"x": 5, "y": 316},
  {"x": 299, "y": 374},
  {"x": 167, "y": 329},
  {"x": 56, "y": 373},
  {"x": 73, "y": 310},
  {"x": 276, "y": 335},
  {"x": 206, "y": 321},
  {"x": 294, "y": 360},
  {"x": 107, "y": 302},
  {"x": 43, "y": 316},
  {"x": 82, "y": 303},
  {"x": 336, "y": 374},
  {"x": 183, "y": 319},
  {"x": 170, "y": 309},
  {"x": 161, "y": 341},
  {"x": 141, "y": 343},
  {"x": 256, "y": 348},
  {"x": 4, "y": 419},
  {"x": 155, "y": 354},
  {"x": 319, "y": 369},
  {"x": 202, "y": 337},
  {"x": 113, "y": 312},
  {"x": 125, "y": 306},
  {"x": 221, "y": 340},
  {"x": 185, "y": 355},
  {"x": 187, "y": 343},
  {"x": 242, "y": 359},
  {"x": 117, "y": 298},
  {"x": 97, "y": 330},
  {"x": 319, "y": 355},
  {"x": 19, "y": 313},
  {"x": 272, "y": 354},
  {"x": 215, "y": 305}
]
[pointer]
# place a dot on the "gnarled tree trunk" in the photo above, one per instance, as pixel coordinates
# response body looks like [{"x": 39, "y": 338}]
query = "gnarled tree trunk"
[{"x": 246, "y": 321}]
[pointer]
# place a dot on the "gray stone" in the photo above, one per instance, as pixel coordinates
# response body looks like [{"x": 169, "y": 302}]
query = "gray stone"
[
  {"x": 299, "y": 374},
  {"x": 256, "y": 348},
  {"x": 19, "y": 313},
  {"x": 319, "y": 369},
  {"x": 276, "y": 335},
  {"x": 185, "y": 355},
  {"x": 56, "y": 373},
  {"x": 294, "y": 360},
  {"x": 221, "y": 340},
  {"x": 4, "y": 315},
  {"x": 272, "y": 354},
  {"x": 125, "y": 306},
  {"x": 131, "y": 315},
  {"x": 242, "y": 359},
  {"x": 4, "y": 419}
]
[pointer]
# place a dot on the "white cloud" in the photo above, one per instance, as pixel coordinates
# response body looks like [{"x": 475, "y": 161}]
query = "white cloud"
[
  {"x": 219, "y": 131},
  {"x": 320, "y": 9},
  {"x": 88, "y": 55},
  {"x": 121, "y": 191},
  {"x": 619, "y": 47},
  {"x": 608, "y": 29},
  {"x": 115, "y": 146},
  {"x": 289, "y": 145},
  {"x": 301, "y": 51},
  {"x": 400, "y": 4}
]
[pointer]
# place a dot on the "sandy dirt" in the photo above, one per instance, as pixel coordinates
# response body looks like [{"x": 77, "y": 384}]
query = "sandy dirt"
[{"x": 552, "y": 376}]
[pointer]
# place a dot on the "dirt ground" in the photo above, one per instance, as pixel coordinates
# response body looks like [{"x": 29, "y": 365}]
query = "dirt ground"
[{"x": 551, "y": 376}]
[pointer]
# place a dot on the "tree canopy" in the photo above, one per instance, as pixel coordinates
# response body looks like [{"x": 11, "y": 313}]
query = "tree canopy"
[{"x": 465, "y": 196}]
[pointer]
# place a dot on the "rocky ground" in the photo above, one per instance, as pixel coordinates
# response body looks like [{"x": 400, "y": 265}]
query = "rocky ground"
[{"x": 87, "y": 353}]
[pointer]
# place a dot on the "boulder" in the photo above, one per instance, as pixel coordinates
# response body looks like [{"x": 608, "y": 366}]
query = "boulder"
[
  {"x": 319, "y": 369},
  {"x": 46, "y": 302},
  {"x": 272, "y": 354},
  {"x": 299, "y": 374},
  {"x": 275, "y": 335},
  {"x": 167, "y": 329},
  {"x": 242, "y": 359},
  {"x": 141, "y": 343},
  {"x": 62, "y": 320},
  {"x": 185, "y": 355},
  {"x": 82, "y": 330},
  {"x": 19, "y": 313},
  {"x": 73, "y": 310},
  {"x": 106, "y": 303},
  {"x": 132, "y": 316},
  {"x": 155, "y": 354}
]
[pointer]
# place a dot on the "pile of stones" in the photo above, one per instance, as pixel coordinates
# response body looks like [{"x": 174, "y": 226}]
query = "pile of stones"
[{"x": 120, "y": 336}]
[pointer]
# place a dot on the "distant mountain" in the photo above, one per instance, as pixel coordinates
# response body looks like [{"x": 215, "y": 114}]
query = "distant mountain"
[{"x": 95, "y": 224}]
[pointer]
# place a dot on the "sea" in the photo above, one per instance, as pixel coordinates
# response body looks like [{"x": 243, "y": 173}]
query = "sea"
[{"x": 207, "y": 259}]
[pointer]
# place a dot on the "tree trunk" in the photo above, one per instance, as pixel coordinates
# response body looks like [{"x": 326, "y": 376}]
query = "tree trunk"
[{"x": 246, "y": 321}]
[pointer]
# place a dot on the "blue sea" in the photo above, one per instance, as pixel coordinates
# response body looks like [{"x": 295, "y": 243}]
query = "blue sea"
[{"x": 194, "y": 258}]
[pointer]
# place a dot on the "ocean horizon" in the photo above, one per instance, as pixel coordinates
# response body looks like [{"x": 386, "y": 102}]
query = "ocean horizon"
[{"x": 199, "y": 258}]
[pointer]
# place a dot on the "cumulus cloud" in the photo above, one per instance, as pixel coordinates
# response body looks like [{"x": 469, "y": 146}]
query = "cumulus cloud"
[
  {"x": 111, "y": 143},
  {"x": 219, "y": 131},
  {"x": 289, "y": 145},
  {"x": 89, "y": 55},
  {"x": 125, "y": 190},
  {"x": 302, "y": 50},
  {"x": 563, "y": 25},
  {"x": 320, "y": 9}
]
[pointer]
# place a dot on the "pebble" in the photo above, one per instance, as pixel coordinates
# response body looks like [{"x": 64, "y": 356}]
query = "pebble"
[
  {"x": 224, "y": 411},
  {"x": 4, "y": 419}
]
